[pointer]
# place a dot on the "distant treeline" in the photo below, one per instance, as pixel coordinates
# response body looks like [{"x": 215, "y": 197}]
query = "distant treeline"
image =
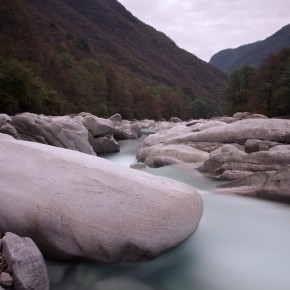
[
  {"x": 263, "y": 90},
  {"x": 62, "y": 85}
]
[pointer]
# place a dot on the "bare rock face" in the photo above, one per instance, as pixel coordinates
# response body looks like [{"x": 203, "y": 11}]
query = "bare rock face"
[
  {"x": 26, "y": 262},
  {"x": 98, "y": 127},
  {"x": 239, "y": 132},
  {"x": 155, "y": 156},
  {"x": 269, "y": 185},
  {"x": 65, "y": 131},
  {"x": 127, "y": 131},
  {"x": 6, "y": 126},
  {"x": 80, "y": 207}
]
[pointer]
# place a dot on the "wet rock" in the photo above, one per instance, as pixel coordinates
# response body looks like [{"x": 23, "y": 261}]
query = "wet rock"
[
  {"x": 26, "y": 262},
  {"x": 88, "y": 208}
]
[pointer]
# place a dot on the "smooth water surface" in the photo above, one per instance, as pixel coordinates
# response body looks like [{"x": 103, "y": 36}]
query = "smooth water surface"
[{"x": 241, "y": 244}]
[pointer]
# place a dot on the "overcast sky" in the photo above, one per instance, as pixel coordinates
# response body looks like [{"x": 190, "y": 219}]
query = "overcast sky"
[{"x": 205, "y": 27}]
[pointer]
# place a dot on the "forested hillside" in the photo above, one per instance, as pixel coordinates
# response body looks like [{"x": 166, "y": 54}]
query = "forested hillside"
[
  {"x": 253, "y": 54},
  {"x": 67, "y": 56},
  {"x": 265, "y": 89}
]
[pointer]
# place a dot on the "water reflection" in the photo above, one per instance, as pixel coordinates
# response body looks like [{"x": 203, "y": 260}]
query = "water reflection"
[{"x": 241, "y": 244}]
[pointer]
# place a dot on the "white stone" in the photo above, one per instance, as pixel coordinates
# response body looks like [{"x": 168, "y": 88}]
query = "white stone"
[{"x": 78, "y": 206}]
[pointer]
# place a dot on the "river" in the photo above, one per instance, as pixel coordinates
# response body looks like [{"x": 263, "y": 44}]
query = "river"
[{"x": 241, "y": 244}]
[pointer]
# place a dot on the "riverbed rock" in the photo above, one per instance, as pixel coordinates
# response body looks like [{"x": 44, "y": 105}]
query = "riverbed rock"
[
  {"x": 103, "y": 145},
  {"x": 228, "y": 162},
  {"x": 170, "y": 154},
  {"x": 163, "y": 135},
  {"x": 138, "y": 165},
  {"x": 63, "y": 131},
  {"x": 81, "y": 207},
  {"x": 6, "y": 126},
  {"x": 26, "y": 263},
  {"x": 6, "y": 279},
  {"x": 203, "y": 125},
  {"x": 98, "y": 127},
  {"x": 116, "y": 118},
  {"x": 180, "y": 153},
  {"x": 254, "y": 145},
  {"x": 239, "y": 132},
  {"x": 175, "y": 120},
  {"x": 127, "y": 131},
  {"x": 270, "y": 185}
]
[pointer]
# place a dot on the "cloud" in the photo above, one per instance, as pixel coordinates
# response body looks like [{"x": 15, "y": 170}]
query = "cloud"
[{"x": 205, "y": 27}]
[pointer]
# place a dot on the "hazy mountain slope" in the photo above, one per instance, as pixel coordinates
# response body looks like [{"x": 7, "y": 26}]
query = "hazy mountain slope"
[
  {"x": 229, "y": 60},
  {"x": 66, "y": 44}
]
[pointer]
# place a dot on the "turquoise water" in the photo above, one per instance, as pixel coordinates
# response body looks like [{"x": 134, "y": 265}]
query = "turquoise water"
[{"x": 241, "y": 244}]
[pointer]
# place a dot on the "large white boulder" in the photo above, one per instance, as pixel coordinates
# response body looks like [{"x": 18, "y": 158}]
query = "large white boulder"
[
  {"x": 62, "y": 131},
  {"x": 151, "y": 155},
  {"x": 239, "y": 132},
  {"x": 78, "y": 206}
]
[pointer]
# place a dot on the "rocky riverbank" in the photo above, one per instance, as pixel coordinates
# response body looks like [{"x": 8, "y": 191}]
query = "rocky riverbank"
[
  {"x": 250, "y": 151},
  {"x": 76, "y": 206}
]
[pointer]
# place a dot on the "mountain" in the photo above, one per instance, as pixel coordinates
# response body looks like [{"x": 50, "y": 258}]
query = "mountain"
[
  {"x": 253, "y": 54},
  {"x": 94, "y": 55}
]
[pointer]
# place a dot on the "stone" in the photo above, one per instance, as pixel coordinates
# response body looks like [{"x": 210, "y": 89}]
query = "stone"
[
  {"x": 9, "y": 130},
  {"x": 138, "y": 165},
  {"x": 62, "y": 131},
  {"x": 81, "y": 207},
  {"x": 127, "y": 131},
  {"x": 234, "y": 174},
  {"x": 103, "y": 145},
  {"x": 228, "y": 162},
  {"x": 163, "y": 135},
  {"x": 276, "y": 130},
  {"x": 254, "y": 145},
  {"x": 116, "y": 118},
  {"x": 26, "y": 263},
  {"x": 175, "y": 120},
  {"x": 206, "y": 125},
  {"x": 5, "y": 119},
  {"x": 5, "y": 136},
  {"x": 270, "y": 185},
  {"x": 180, "y": 153},
  {"x": 225, "y": 154},
  {"x": 160, "y": 161},
  {"x": 6, "y": 279},
  {"x": 98, "y": 127}
]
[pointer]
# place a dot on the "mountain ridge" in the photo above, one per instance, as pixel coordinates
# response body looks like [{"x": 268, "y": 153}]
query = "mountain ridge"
[
  {"x": 53, "y": 39},
  {"x": 252, "y": 54}
]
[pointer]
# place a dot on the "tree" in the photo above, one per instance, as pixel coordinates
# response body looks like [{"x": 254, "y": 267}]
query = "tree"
[{"x": 237, "y": 92}]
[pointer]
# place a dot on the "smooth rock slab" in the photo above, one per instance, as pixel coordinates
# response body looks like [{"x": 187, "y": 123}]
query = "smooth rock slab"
[
  {"x": 26, "y": 262},
  {"x": 77, "y": 206},
  {"x": 268, "y": 185}
]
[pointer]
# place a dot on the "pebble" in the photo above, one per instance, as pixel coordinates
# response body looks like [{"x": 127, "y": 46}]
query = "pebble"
[{"x": 6, "y": 279}]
